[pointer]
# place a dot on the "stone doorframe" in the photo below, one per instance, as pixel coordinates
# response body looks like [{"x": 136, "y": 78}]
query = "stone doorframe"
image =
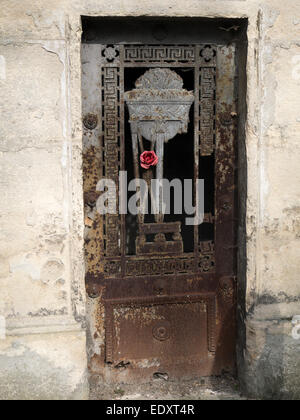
[
  {"x": 75, "y": 37},
  {"x": 251, "y": 193},
  {"x": 253, "y": 110}
]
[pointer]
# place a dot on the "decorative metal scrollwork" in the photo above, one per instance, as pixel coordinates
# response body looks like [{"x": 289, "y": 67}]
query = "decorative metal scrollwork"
[
  {"x": 110, "y": 54},
  {"x": 90, "y": 121},
  {"x": 208, "y": 53}
]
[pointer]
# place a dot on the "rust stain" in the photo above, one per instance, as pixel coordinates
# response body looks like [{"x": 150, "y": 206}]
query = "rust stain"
[{"x": 94, "y": 230}]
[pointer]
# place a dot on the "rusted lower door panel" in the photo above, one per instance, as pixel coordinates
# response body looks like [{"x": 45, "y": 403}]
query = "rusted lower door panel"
[
  {"x": 170, "y": 313},
  {"x": 163, "y": 331},
  {"x": 157, "y": 335}
]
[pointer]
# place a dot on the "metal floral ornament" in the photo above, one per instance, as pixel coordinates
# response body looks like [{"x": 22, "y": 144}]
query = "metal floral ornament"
[{"x": 148, "y": 159}]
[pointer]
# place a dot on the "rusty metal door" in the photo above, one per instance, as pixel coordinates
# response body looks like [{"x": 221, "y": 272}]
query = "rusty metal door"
[{"x": 166, "y": 296}]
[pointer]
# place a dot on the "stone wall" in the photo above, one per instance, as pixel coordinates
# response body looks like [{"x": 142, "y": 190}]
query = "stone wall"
[{"x": 41, "y": 217}]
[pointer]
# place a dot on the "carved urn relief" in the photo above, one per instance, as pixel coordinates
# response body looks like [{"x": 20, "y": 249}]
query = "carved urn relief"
[{"x": 159, "y": 110}]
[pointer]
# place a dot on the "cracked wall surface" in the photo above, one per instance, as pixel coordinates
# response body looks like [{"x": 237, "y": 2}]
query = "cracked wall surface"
[{"x": 42, "y": 294}]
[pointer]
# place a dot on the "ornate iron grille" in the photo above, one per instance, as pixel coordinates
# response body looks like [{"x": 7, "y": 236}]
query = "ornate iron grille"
[{"x": 114, "y": 60}]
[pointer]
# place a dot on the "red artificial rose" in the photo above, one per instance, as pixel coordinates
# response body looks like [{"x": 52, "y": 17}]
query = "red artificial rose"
[{"x": 148, "y": 159}]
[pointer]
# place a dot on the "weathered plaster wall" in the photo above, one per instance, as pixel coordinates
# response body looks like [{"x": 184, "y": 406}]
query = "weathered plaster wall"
[
  {"x": 41, "y": 267},
  {"x": 41, "y": 236}
]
